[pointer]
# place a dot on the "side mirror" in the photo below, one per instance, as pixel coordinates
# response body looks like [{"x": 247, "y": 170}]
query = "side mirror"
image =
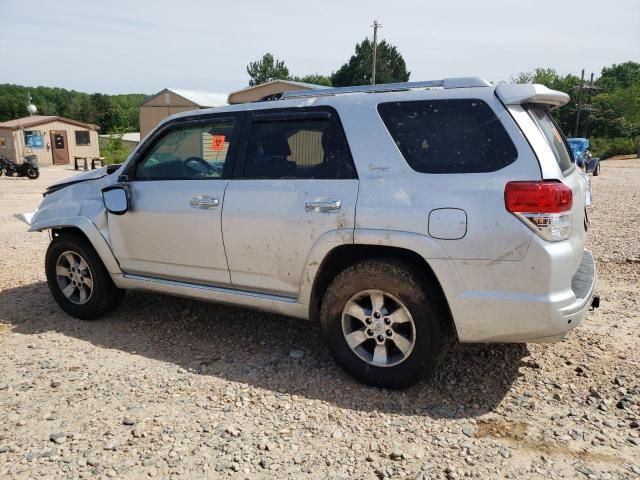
[{"x": 116, "y": 199}]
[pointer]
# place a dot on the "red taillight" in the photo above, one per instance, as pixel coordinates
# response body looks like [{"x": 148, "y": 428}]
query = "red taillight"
[{"x": 537, "y": 197}]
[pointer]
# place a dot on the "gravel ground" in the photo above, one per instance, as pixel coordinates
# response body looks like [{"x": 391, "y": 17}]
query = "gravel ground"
[{"x": 172, "y": 388}]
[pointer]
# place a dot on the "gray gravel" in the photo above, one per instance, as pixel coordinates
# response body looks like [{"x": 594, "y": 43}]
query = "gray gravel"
[{"x": 172, "y": 388}]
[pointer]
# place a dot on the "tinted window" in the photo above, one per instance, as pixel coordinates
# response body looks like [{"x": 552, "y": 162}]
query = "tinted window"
[
  {"x": 189, "y": 152},
  {"x": 82, "y": 137},
  {"x": 554, "y": 136},
  {"x": 313, "y": 147},
  {"x": 448, "y": 136}
]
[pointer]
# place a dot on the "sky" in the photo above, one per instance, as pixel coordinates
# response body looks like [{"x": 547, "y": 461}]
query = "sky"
[{"x": 143, "y": 46}]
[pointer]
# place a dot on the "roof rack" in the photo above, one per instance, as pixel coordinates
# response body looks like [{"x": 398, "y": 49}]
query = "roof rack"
[{"x": 459, "y": 82}]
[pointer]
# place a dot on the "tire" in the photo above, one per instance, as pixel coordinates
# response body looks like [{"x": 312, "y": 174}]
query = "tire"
[
  {"x": 84, "y": 267},
  {"x": 405, "y": 290},
  {"x": 596, "y": 171},
  {"x": 33, "y": 173}
]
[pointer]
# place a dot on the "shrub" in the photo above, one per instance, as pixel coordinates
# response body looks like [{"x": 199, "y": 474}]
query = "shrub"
[
  {"x": 115, "y": 151},
  {"x": 610, "y": 147}
]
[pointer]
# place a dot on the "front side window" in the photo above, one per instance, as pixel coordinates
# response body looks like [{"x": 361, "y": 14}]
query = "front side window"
[
  {"x": 33, "y": 139},
  {"x": 191, "y": 151},
  {"x": 298, "y": 147},
  {"x": 449, "y": 136},
  {"x": 82, "y": 137}
]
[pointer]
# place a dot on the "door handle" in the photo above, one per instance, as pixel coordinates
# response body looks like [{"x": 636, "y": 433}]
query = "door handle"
[
  {"x": 203, "y": 201},
  {"x": 323, "y": 205}
]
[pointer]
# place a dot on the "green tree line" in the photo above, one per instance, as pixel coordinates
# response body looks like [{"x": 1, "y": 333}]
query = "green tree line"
[
  {"x": 390, "y": 68},
  {"x": 111, "y": 113}
]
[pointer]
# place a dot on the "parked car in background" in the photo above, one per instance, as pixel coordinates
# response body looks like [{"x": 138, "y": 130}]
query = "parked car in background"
[
  {"x": 582, "y": 156},
  {"x": 402, "y": 217}
]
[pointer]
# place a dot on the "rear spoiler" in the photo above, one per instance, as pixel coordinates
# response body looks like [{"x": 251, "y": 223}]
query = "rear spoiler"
[{"x": 518, "y": 94}]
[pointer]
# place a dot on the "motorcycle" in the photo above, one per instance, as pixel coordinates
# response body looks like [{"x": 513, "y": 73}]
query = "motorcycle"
[{"x": 28, "y": 168}]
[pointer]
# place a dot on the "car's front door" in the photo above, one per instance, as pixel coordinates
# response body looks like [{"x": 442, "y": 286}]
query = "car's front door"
[
  {"x": 297, "y": 183},
  {"x": 177, "y": 185}
]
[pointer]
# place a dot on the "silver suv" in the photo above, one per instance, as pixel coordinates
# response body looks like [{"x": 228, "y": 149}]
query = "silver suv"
[{"x": 402, "y": 217}]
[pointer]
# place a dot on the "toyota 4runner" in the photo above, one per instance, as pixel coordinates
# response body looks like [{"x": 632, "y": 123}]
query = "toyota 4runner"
[{"x": 402, "y": 217}]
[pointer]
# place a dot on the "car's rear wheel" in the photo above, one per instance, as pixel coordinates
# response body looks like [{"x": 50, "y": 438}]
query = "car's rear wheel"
[
  {"x": 78, "y": 280},
  {"x": 385, "y": 323},
  {"x": 596, "y": 171}
]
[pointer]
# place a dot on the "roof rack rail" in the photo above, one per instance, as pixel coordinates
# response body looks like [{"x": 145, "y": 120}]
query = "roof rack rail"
[{"x": 459, "y": 82}]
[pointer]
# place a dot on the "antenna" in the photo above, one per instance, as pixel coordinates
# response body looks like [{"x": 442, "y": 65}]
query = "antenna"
[{"x": 31, "y": 108}]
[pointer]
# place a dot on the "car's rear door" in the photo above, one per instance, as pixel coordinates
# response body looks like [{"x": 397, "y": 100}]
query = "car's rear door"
[
  {"x": 177, "y": 184},
  {"x": 296, "y": 183}
]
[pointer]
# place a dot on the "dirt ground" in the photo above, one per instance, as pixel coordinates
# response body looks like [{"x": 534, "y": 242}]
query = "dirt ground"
[{"x": 172, "y": 388}]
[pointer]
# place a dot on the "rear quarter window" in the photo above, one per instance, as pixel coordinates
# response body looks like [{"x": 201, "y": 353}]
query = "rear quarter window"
[
  {"x": 553, "y": 134},
  {"x": 448, "y": 136}
]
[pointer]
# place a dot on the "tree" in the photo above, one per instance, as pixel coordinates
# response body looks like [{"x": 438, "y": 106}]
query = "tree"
[
  {"x": 390, "y": 66},
  {"x": 266, "y": 69},
  {"x": 624, "y": 75},
  {"x": 109, "y": 114},
  {"x": 314, "y": 78}
]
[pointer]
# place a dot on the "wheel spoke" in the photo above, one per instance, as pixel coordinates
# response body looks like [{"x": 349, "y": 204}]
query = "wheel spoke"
[
  {"x": 380, "y": 354},
  {"x": 83, "y": 265},
  {"x": 356, "y": 311},
  {"x": 88, "y": 282},
  {"x": 355, "y": 338},
  {"x": 62, "y": 271},
  {"x": 400, "y": 316},
  {"x": 70, "y": 259},
  {"x": 403, "y": 343},
  {"x": 377, "y": 301},
  {"x": 68, "y": 290},
  {"x": 83, "y": 294}
]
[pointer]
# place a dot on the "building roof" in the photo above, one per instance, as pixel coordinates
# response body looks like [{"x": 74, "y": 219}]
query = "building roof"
[
  {"x": 127, "y": 137},
  {"x": 204, "y": 99},
  {"x": 32, "y": 121},
  {"x": 201, "y": 99},
  {"x": 310, "y": 86}
]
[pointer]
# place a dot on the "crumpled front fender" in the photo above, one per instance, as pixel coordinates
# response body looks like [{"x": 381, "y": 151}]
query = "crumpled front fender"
[
  {"x": 92, "y": 233},
  {"x": 79, "y": 206}
]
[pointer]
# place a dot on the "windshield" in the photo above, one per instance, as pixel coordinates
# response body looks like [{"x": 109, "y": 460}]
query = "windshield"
[{"x": 553, "y": 134}]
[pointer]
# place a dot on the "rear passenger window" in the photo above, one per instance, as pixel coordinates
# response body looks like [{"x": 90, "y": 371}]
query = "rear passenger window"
[
  {"x": 298, "y": 147},
  {"x": 449, "y": 136}
]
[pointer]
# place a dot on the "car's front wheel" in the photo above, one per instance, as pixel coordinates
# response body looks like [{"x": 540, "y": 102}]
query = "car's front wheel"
[
  {"x": 386, "y": 324},
  {"x": 78, "y": 280}
]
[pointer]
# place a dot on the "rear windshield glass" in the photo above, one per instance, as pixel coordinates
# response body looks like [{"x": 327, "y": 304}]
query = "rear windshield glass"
[
  {"x": 449, "y": 136},
  {"x": 554, "y": 136}
]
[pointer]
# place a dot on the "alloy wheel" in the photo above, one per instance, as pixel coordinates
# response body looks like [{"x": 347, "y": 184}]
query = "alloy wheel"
[
  {"x": 74, "y": 277},
  {"x": 378, "y": 328}
]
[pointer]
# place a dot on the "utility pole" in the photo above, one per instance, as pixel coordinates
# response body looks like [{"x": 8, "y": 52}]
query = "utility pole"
[
  {"x": 575, "y": 127},
  {"x": 375, "y": 26},
  {"x": 586, "y": 123}
]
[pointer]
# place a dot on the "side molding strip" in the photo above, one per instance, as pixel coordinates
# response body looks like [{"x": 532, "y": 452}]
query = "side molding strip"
[{"x": 264, "y": 301}]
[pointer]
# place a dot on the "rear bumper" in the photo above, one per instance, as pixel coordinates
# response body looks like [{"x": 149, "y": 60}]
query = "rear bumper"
[{"x": 514, "y": 317}]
